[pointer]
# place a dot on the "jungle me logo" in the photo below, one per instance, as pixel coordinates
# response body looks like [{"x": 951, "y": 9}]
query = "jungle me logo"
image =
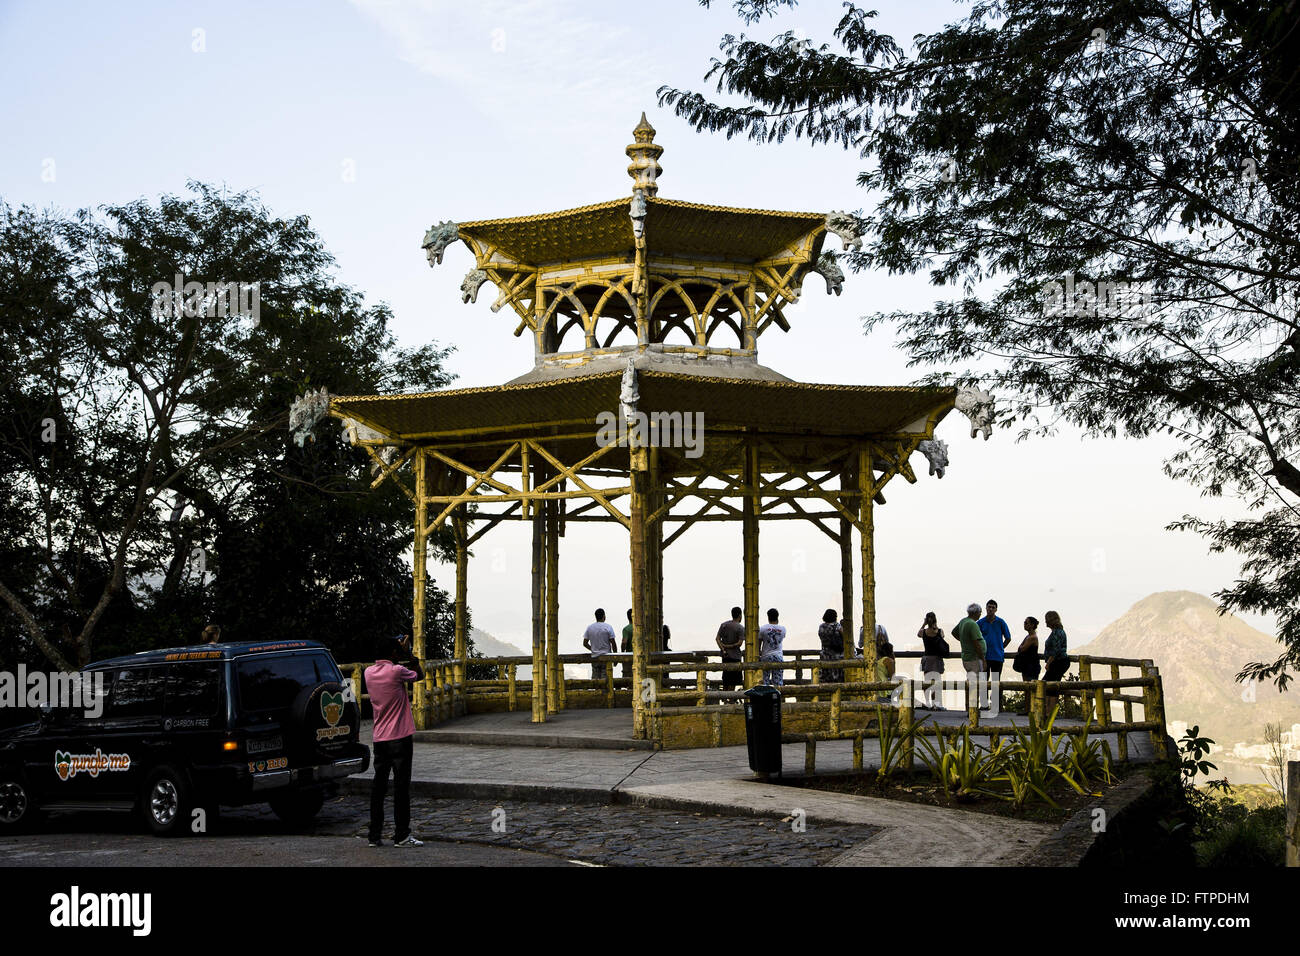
[
  {"x": 331, "y": 708},
  {"x": 68, "y": 765}
]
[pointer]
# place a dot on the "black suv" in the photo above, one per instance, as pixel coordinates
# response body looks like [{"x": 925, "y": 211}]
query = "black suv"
[{"x": 189, "y": 728}]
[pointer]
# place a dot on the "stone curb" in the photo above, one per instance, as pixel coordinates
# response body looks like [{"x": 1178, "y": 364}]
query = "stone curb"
[
  {"x": 508, "y": 739},
  {"x": 490, "y": 790},
  {"x": 593, "y": 796},
  {"x": 1075, "y": 840}
]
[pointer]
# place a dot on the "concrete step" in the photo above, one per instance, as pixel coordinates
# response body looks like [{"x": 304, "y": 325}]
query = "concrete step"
[{"x": 532, "y": 738}]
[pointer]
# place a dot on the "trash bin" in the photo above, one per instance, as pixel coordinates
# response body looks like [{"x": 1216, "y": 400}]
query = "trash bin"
[{"x": 763, "y": 728}]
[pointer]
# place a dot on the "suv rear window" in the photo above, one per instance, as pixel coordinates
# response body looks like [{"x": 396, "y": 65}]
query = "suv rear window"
[{"x": 268, "y": 683}]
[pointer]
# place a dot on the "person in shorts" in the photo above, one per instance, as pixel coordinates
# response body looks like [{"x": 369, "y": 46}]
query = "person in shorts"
[{"x": 771, "y": 641}]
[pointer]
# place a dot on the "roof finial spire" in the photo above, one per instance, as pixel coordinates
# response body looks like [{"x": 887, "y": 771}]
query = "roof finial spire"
[{"x": 645, "y": 169}]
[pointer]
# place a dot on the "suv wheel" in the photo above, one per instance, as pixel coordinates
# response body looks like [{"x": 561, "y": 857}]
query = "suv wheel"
[
  {"x": 298, "y": 808},
  {"x": 166, "y": 802},
  {"x": 17, "y": 806}
]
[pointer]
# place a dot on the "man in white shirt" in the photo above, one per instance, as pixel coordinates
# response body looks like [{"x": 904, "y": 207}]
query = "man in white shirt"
[
  {"x": 771, "y": 641},
  {"x": 599, "y": 639}
]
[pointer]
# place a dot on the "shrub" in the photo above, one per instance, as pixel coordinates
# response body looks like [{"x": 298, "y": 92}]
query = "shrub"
[{"x": 1256, "y": 838}]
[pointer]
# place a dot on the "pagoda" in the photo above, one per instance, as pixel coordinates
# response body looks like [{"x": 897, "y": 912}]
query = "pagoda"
[{"x": 646, "y": 406}]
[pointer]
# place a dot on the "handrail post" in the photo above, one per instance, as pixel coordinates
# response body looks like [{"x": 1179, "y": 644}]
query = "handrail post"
[
  {"x": 905, "y": 718},
  {"x": 1152, "y": 712},
  {"x": 1120, "y": 735},
  {"x": 1038, "y": 706},
  {"x": 835, "y": 710},
  {"x": 356, "y": 683},
  {"x": 701, "y": 685},
  {"x": 510, "y": 678},
  {"x": 1085, "y": 699}
]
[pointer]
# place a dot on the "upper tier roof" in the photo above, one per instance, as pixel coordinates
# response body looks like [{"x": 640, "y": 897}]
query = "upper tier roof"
[{"x": 673, "y": 228}]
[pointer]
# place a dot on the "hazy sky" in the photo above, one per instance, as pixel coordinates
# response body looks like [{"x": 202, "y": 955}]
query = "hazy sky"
[{"x": 379, "y": 118}]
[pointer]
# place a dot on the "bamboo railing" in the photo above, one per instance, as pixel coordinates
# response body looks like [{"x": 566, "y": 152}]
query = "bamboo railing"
[{"x": 681, "y": 684}]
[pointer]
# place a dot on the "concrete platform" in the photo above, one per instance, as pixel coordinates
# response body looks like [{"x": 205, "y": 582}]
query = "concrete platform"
[
  {"x": 494, "y": 757},
  {"x": 609, "y": 729}
]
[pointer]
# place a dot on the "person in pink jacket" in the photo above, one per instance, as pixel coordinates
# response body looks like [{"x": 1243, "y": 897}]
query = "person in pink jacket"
[{"x": 394, "y": 737}]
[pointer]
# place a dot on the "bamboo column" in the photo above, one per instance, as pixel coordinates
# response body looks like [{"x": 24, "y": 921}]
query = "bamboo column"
[
  {"x": 846, "y": 566},
  {"x": 1162, "y": 741},
  {"x": 1085, "y": 700},
  {"x": 749, "y": 530},
  {"x": 539, "y": 604},
  {"x": 639, "y": 541},
  {"x": 419, "y": 574},
  {"x": 867, "y": 527},
  {"x": 656, "y": 533},
  {"x": 459, "y": 671},
  {"x": 1122, "y": 736},
  {"x": 554, "y": 671}
]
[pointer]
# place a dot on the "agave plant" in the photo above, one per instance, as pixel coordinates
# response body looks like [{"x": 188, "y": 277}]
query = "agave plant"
[
  {"x": 1085, "y": 761},
  {"x": 1034, "y": 763},
  {"x": 963, "y": 769},
  {"x": 894, "y": 743}
]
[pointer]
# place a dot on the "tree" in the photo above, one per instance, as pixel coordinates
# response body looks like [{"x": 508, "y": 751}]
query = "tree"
[
  {"x": 1111, "y": 186},
  {"x": 1274, "y": 768},
  {"x": 150, "y": 356}
]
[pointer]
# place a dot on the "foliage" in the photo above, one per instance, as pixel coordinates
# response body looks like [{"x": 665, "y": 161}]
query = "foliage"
[
  {"x": 1145, "y": 151},
  {"x": 1032, "y": 766},
  {"x": 1248, "y": 838},
  {"x": 1274, "y": 769},
  {"x": 1086, "y": 762},
  {"x": 963, "y": 769},
  {"x": 152, "y": 483},
  {"x": 1192, "y": 749},
  {"x": 1225, "y": 831},
  {"x": 895, "y": 743}
]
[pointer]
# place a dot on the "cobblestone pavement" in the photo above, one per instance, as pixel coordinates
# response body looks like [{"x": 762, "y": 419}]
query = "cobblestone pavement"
[
  {"x": 616, "y": 835},
  {"x": 456, "y": 831}
]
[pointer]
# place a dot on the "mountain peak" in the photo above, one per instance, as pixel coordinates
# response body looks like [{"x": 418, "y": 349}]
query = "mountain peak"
[{"x": 1200, "y": 652}]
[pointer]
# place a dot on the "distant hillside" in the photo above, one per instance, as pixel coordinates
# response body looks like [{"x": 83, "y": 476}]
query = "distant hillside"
[
  {"x": 489, "y": 646},
  {"x": 1199, "y": 653}
]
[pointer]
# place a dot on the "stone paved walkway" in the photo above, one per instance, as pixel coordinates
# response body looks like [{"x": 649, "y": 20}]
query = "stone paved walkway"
[{"x": 707, "y": 788}]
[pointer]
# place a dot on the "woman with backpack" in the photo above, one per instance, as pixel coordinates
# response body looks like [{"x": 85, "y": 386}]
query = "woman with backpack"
[
  {"x": 935, "y": 649},
  {"x": 1027, "y": 663},
  {"x": 832, "y": 637}
]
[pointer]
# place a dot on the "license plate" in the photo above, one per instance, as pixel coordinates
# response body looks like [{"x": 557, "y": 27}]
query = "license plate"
[{"x": 264, "y": 744}]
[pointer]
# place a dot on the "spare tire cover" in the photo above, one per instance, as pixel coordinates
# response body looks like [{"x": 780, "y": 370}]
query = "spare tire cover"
[{"x": 326, "y": 719}]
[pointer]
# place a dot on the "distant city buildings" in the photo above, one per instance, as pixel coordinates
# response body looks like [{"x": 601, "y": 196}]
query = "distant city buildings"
[
  {"x": 1245, "y": 751},
  {"x": 1290, "y": 741}
]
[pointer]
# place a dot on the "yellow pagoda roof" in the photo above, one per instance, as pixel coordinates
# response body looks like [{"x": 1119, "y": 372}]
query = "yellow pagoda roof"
[
  {"x": 866, "y": 410},
  {"x": 673, "y": 228}
]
